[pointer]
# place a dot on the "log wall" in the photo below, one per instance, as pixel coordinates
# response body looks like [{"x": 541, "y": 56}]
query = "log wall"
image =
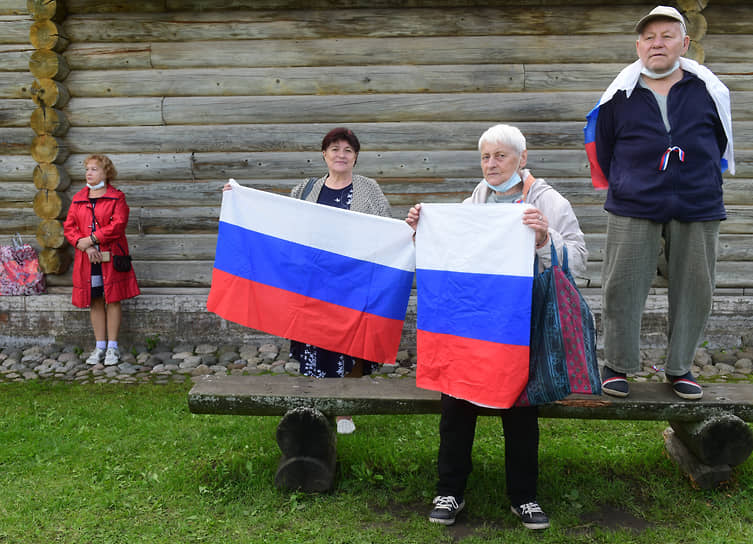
[{"x": 183, "y": 95}]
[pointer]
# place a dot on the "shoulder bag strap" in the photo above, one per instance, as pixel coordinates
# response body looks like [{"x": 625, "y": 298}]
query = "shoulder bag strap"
[{"x": 308, "y": 187}]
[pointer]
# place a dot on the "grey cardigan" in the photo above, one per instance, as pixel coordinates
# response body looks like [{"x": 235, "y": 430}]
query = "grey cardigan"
[{"x": 367, "y": 195}]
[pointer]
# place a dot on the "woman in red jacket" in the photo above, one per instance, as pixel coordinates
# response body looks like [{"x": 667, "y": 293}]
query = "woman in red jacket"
[{"x": 95, "y": 226}]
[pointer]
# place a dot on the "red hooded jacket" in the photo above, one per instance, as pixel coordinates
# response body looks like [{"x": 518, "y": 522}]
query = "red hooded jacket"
[{"x": 111, "y": 217}]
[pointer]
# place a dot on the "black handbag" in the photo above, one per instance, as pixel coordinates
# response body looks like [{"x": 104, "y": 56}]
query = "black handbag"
[{"x": 121, "y": 263}]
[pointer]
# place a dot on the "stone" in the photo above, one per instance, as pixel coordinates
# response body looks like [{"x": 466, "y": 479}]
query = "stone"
[
  {"x": 724, "y": 368},
  {"x": 180, "y": 355},
  {"x": 702, "y": 357},
  {"x": 724, "y": 356},
  {"x": 205, "y": 349},
  {"x": 183, "y": 347},
  {"x": 293, "y": 366},
  {"x": 190, "y": 362},
  {"x": 744, "y": 366},
  {"x": 201, "y": 370},
  {"x": 387, "y": 368}
]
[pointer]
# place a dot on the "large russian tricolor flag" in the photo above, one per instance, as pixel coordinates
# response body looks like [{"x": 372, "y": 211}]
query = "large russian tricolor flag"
[
  {"x": 325, "y": 276},
  {"x": 474, "y": 278}
]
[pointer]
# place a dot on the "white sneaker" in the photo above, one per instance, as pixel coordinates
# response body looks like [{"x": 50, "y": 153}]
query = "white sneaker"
[
  {"x": 345, "y": 426},
  {"x": 96, "y": 356},
  {"x": 112, "y": 357}
]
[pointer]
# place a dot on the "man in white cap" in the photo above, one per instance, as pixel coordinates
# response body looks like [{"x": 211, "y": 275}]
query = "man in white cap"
[{"x": 659, "y": 140}]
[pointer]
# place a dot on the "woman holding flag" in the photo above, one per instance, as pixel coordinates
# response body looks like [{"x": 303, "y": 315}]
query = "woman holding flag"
[
  {"x": 340, "y": 188},
  {"x": 503, "y": 158}
]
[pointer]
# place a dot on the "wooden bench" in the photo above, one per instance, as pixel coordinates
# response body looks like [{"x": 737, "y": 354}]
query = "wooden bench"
[{"x": 707, "y": 438}]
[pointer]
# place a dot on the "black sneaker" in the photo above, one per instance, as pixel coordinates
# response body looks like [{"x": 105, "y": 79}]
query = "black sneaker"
[
  {"x": 614, "y": 383},
  {"x": 445, "y": 509},
  {"x": 685, "y": 386},
  {"x": 531, "y": 514}
]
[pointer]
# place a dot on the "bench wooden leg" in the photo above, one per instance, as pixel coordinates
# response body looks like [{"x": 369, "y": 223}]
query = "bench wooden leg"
[
  {"x": 309, "y": 452},
  {"x": 707, "y": 450}
]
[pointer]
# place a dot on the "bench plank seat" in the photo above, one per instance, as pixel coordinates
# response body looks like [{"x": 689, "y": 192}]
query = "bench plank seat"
[
  {"x": 268, "y": 395},
  {"x": 706, "y": 437}
]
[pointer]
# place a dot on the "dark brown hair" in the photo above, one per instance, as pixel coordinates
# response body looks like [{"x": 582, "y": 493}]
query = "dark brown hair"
[{"x": 341, "y": 133}]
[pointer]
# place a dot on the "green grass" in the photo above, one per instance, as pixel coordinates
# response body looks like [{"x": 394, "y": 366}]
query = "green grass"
[{"x": 130, "y": 464}]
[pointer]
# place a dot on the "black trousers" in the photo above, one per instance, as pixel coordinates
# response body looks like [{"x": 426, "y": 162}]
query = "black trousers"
[{"x": 457, "y": 429}]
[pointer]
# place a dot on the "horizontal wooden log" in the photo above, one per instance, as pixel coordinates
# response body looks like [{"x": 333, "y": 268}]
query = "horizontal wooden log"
[
  {"x": 15, "y": 141},
  {"x": 729, "y": 275},
  {"x": 388, "y": 164},
  {"x": 14, "y": 28},
  {"x": 619, "y": 48},
  {"x": 115, "y": 111},
  {"x": 738, "y": 76},
  {"x": 117, "y": 6},
  {"x": 50, "y": 204},
  {"x": 50, "y": 233},
  {"x": 360, "y": 79},
  {"x": 16, "y": 57},
  {"x": 16, "y": 167},
  {"x": 174, "y": 274},
  {"x": 736, "y": 18},
  {"x": 16, "y": 85},
  {"x": 512, "y": 107},
  {"x": 16, "y": 194},
  {"x": 719, "y": 439},
  {"x": 726, "y": 48},
  {"x": 196, "y": 247},
  {"x": 104, "y": 56},
  {"x": 49, "y": 121},
  {"x": 308, "y": 23},
  {"x": 427, "y": 136},
  {"x": 299, "y": 80},
  {"x": 46, "y": 34},
  {"x": 48, "y": 149},
  {"x": 18, "y": 219},
  {"x": 13, "y": 7},
  {"x": 15, "y": 112},
  {"x": 51, "y": 176},
  {"x": 45, "y": 63},
  {"x": 701, "y": 475},
  {"x": 159, "y": 247},
  {"x": 732, "y": 247},
  {"x": 49, "y": 93}
]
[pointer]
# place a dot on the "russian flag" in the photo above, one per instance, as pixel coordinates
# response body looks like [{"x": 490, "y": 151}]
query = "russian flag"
[
  {"x": 325, "y": 276},
  {"x": 474, "y": 278},
  {"x": 598, "y": 179}
]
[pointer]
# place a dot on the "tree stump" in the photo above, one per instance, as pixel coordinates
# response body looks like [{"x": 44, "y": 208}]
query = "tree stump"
[{"x": 308, "y": 444}]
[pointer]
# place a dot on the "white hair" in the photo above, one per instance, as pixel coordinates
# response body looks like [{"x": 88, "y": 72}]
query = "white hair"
[{"x": 504, "y": 134}]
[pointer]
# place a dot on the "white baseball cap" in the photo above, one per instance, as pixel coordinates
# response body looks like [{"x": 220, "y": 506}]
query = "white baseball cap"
[{"x": 660, "y": 12}]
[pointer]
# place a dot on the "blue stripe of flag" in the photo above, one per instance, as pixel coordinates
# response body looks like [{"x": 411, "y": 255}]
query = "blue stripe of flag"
[
  {"x": 479, "y": 306},
  {"x": 323, "y": 275}
]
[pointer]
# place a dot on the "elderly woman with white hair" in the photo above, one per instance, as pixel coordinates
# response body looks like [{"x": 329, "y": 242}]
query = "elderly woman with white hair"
[{"x": 503, "y": 158}]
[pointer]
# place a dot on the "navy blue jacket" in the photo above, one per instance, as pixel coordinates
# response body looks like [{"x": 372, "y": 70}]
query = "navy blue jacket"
[{"x": 631, "y": 139}]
